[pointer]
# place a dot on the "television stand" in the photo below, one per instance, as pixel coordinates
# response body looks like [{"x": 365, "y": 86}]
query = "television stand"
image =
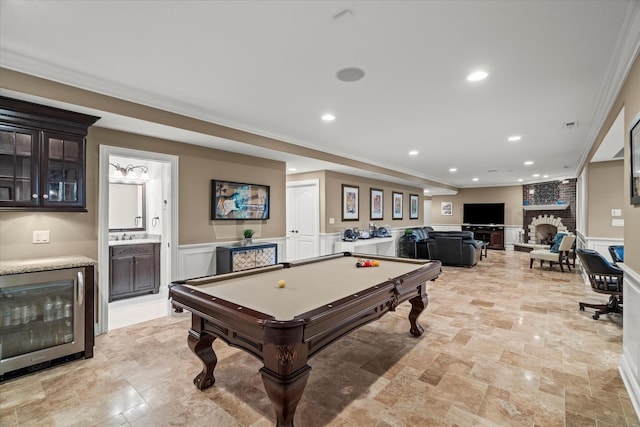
[{"x": 492, "y": 234}]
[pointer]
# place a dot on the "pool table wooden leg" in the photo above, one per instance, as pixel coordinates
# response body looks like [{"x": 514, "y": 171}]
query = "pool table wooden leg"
[
  {"x": 201, "y": 345},
  {"x": 285, "y": 392},
  {"x": 418, "y": 304}
]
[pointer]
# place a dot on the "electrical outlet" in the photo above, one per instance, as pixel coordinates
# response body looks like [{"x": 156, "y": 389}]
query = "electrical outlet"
[
  {"x": 617, "y": 222},
  {"x": 332, "y": 220},
  {"x": 41, "y": 236}
]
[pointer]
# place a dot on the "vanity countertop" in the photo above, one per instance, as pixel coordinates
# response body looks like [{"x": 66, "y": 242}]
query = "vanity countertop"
[
  {"x": 18, "y": 266},
  {"x": 133, "y": 242}
]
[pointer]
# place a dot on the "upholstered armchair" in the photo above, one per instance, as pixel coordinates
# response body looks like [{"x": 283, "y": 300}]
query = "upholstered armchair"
[
  {"x": 605, "y": 278},
  {"x": 559, "y": 253}
]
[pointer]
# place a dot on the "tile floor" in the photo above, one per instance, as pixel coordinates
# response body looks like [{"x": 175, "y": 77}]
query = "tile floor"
[
  {"x": 130, "y": 311},
  {"x": 503, "y": 346}
]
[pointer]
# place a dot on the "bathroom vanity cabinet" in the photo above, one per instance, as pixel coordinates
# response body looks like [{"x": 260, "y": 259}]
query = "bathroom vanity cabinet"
[{"x": 134, "y": 269}]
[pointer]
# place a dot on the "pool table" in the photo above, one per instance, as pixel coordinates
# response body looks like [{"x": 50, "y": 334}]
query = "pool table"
[{"x": 322, "y": 300}]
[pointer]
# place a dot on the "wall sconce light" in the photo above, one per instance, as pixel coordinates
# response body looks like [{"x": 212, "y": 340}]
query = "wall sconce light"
[{"x": 125, "y": 171}]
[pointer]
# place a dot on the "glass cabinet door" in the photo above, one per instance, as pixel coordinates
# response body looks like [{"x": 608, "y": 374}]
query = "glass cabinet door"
[
  {"x": 18, "y": 167},
  {"x": 63, "y": 170}
]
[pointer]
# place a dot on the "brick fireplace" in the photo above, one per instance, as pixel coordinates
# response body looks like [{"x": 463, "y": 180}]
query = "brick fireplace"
[{"x": 549, "y": 207}]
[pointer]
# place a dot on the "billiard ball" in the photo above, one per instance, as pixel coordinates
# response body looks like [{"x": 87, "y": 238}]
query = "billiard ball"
[{"x": 281, "y": 283}]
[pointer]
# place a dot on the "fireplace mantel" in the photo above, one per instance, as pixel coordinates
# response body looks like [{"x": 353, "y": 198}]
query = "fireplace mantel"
[{"x": 546, "y": 207}]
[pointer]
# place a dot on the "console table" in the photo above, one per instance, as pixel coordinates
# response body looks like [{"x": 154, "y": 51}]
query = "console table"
[
  {"x": 375, "y": 246},
  {"x": 492, "y": 234},
  {"x": 238, "y": 258}
]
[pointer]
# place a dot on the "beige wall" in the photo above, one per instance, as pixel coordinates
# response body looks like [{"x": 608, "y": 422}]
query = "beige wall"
[
  {"x": 629, "y": 98},
  {"x": 77, "y": 233},
  {"x": 511, "y": 196},
  {"x": 197, "y": 167},
  {"x": 331, "y": 201},
  {"x": 605, "y": 192}
]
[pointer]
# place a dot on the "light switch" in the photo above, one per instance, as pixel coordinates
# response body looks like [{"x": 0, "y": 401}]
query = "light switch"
[
  {"x": 616, "y": 212},
  {"x": 332, "y": 220},
  {"x": 41, "y": 236},
  {"x": 617, "y": 222}
]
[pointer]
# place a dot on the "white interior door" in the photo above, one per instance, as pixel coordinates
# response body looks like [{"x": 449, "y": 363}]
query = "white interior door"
[{"x": 303, "y": 224}]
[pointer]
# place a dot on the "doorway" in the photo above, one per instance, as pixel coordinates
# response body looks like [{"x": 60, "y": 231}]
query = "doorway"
[{"x": 160, "y": 223}]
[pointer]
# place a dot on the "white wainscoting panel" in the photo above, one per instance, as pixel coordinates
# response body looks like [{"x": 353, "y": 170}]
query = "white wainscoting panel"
[
  {"x": 446, "y": 227},
  {"x": 601, "y": 245},
  {"x": 196, "y": 260},
  {"x": 629, "y": 365},
  {"x": 511, "y": 236},
  {"x": 327, "y": 241}
]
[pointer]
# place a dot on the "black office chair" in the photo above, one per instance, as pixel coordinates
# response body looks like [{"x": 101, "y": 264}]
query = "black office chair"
[
  {"x": 605, "y": 278},
  {"x": 617, "y": 253}
]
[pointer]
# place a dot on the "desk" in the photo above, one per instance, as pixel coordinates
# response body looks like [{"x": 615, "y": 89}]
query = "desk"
[
  {"x": 375, "y": 246},
  {"x": 324, "y": 299}
]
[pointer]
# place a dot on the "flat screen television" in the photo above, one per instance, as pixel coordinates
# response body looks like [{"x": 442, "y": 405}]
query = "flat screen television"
[
  {"x": 237, "y": 200},
  {"x": 483, "y": 213}
]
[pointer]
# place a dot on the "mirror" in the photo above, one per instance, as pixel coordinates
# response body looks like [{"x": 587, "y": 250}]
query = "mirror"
[{"x": 127, "y": 206}]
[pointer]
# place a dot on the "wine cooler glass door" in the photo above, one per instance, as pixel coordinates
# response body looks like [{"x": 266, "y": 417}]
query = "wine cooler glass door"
[{"x": 41, "y": 317}]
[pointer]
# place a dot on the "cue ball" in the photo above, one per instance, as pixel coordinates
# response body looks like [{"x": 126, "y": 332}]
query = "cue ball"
[{"x": 281, "y": 283}]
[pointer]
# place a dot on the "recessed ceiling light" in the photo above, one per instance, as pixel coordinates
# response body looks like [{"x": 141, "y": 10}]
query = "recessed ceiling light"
[
  {"x": 528, "y": 163},
  {"x": 426, "y": 191},
  {"x": 475, "y": 179},
  {"x": 514, "y": 138},
  {"x": 292, "y": 169},
  {"x": 476, "y": 76},
  {"x": 520, "y": 179},
  {"x": 545, "y": 176},
  {"x": 535, "y": 175},
  {"x": 328, "y": 117},
  {"x": 413, "y": 152},
  {"x": 453, "y": 170}
]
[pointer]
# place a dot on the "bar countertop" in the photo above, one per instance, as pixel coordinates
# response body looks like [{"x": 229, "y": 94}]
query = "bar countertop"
[{"x": 43, "y": 264}]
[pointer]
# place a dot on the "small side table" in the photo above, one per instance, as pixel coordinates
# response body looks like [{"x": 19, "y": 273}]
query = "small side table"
[{"x": 484, "y": 247}]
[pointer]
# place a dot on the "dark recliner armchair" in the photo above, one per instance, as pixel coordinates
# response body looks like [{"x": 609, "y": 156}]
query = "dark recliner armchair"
[
  {"x": 457, "y": 248},
  {"x": 605, "y": 279}
]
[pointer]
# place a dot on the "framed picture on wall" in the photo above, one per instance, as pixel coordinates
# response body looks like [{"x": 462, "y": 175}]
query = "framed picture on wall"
[
  {"x": 350, "y": 202},
  {"x": 446, "y": 208},
  {"x": 414, "y": 208},
  {"x": 377, "y": 204},
  {"x": 397, "y": 205},
  {"x": 634, "y": 139}
]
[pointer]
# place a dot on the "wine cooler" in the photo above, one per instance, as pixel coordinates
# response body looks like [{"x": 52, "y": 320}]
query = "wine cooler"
[{"x": 42, "y": 317}]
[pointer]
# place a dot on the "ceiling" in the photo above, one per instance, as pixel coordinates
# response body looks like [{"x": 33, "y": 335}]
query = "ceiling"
[{"x": 269, "y": 67}]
